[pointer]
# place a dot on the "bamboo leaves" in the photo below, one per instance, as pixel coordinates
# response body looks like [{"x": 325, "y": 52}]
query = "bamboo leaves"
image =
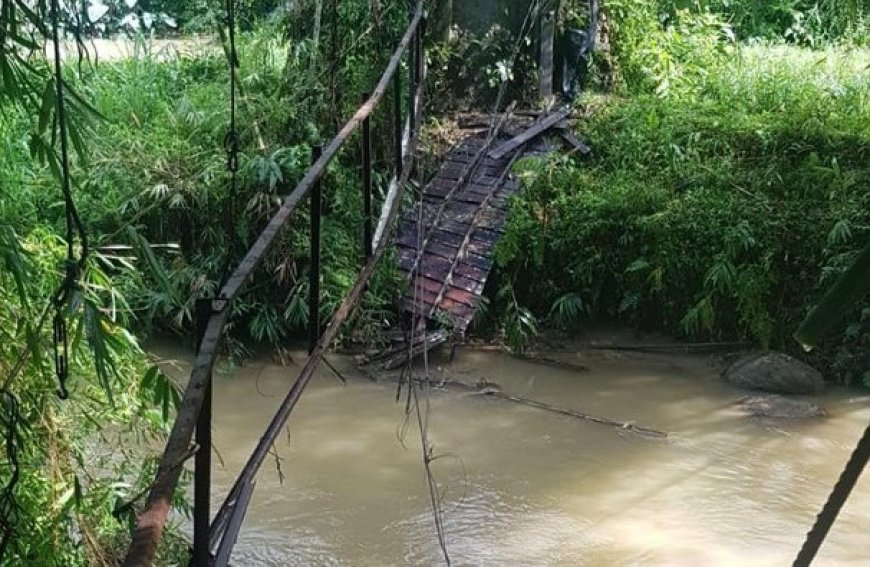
[
  {"x": 163, "y": 392},
  {"x": 849, "y": 288},
  {"x": 155, "y": 267}
]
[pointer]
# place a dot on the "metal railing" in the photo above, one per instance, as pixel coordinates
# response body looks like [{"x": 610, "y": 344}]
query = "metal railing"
[{"x": 194, "y": 412}]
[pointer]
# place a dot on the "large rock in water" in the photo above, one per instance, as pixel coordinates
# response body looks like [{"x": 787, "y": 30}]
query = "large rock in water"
[
  {"x": 779, "y": 407},
  {"x": 775, "y": 372}
]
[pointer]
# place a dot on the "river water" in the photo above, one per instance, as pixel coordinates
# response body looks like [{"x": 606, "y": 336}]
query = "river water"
[{"x": 527, "y": 487}]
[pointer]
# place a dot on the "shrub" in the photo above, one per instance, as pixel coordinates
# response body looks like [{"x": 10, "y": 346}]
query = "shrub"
[{"x": 720, "y": 208}]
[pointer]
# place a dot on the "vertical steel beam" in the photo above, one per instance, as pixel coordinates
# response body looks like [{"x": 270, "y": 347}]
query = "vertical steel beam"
[
  {"x": 202, "y": 460},
  {"x": 545, "y": 63},
  {"x": 314, "y": 265},
  {"x": 412, "y": 77},
  {"x": 367, "y": 184},
  {"x": 397, "y": 121}
]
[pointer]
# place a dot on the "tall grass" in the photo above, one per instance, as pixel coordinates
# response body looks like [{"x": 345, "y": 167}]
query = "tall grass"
[
  {"x": 720, "y": 207},
  {"x": 156, "y": 166}
]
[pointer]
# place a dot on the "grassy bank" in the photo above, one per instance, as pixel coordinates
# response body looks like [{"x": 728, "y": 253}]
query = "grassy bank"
[{"x": 718, "y": 206}]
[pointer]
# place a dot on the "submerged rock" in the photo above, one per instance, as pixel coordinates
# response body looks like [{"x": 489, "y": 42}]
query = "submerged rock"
[
  {"x": 779, "y": 407},
  {"x": 775, "y": 372}
]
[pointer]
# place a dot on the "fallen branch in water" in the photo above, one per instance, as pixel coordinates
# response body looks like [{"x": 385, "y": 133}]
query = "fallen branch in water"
[
  {"x": 548, "y": 361},
  {"x": 686, "y": 347},
  {"x": 493, "y": 390},
  {"x": 536, "y": 358},
  {"x": 627, "y": 425},
  {"x": 335, "y": 371}
]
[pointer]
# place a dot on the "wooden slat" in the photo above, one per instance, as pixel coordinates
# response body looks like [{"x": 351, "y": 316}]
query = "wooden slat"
[
  {"x": 481, "y": 248},
  {"x": 442, "y": 250},
  {"x": 451, "y": 170},
  {"x": 447, "y": 238},
  {"x": 467, "y": 284},
  {"x": 456, "y": 308},
  {"x": 475, "y": 198},
  {"x": 461, "y": 296},
  {"x": 476, "y": 260}
]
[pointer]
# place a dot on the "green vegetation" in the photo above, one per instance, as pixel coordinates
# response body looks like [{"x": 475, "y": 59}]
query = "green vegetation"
[
  {"x": 75, "y": 462},
  {"x": 150, "y": 182},
  {"x": 730, "y": 186},
  {"x": 728, "y": 190}
]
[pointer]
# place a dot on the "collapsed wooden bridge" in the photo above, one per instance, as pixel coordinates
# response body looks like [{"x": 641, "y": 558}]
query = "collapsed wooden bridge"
[
  {"x": 445, "y": 246},
  {"x": 446, "y": 253},
  {"x": 446, "y": 242}
]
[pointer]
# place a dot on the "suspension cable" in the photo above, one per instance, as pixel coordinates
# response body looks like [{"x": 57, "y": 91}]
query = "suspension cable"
[
  {"x": 72, "y": 267},
  {"x": 835, "y": 502},
  {"x": 231, "y": 140}
]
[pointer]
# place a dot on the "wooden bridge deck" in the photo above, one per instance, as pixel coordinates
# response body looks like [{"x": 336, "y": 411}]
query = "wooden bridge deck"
[{"x": 462, "y": 221}]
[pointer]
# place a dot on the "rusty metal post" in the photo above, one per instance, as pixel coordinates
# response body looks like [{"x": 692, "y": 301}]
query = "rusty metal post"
[
  {"x": 314, "y": 265},
  {"x": 412, "y": 77},
  {"x": 397, "y": 120},
  {"x": 202, "y": 460},
  {"x": 545, "y": 61},
  {"x": 367, "y": 184},
  {"x": 421, "y": 57}
]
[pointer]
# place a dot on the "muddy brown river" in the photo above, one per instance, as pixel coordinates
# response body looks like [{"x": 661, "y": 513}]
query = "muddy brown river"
[{"x": 527, "y": 487}]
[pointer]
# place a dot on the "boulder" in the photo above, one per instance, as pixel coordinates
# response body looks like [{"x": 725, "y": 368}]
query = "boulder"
[
  {"x": 775, "y": 372},
  {"x": 779, "y": 407}
]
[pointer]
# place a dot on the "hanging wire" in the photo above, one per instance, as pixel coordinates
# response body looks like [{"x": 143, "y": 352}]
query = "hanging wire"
[
  {"x": 72, "y": 267},
  {"x": 419, "y": 389},
  {"x": 231, "y": 140},
  {"x": 848, "y": 478},
  {"x": 424, "y": 385}
]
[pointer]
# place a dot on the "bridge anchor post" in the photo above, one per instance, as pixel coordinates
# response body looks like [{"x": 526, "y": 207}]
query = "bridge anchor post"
[
  {"x": 314, "y": 265},
  {"x": 367, "y": 183},
  {"x": 397, "y": 121}
]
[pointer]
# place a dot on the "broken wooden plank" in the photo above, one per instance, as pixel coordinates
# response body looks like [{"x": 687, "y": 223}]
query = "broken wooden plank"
[
  {"x": 535, "y": 130},
  {"x": 417, "y": 347}
]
